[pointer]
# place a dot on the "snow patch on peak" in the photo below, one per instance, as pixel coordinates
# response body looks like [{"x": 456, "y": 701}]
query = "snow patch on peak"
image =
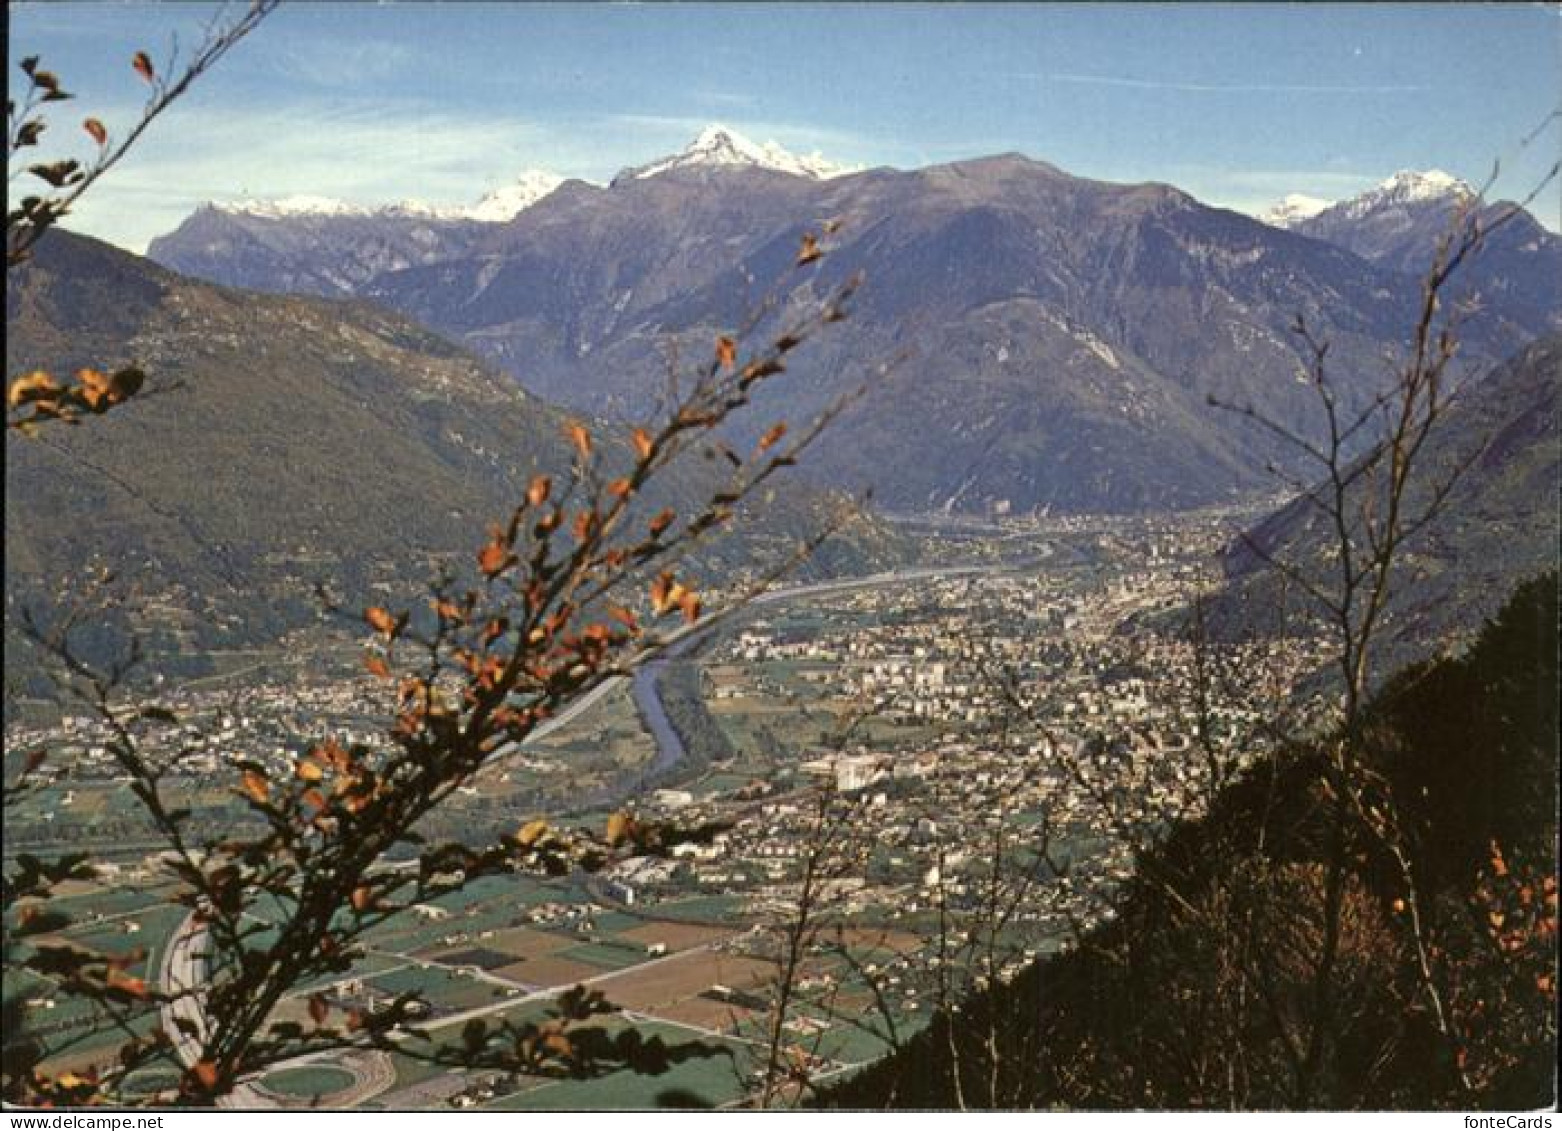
[
  {"x": 718, "y": 146},
  {"x": 1292, "y": 210},
  {"x": 300, "y": 204},
  {"x": 1408, "y": 188},
  {"x": 1431, "y": 184},
  {"x": 510, "y": 201},
  {"x": 498, "y": 206}
]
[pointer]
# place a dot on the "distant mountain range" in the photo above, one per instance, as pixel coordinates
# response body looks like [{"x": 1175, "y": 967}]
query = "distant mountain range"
[
  {"x": 1058, "y": 340},
  {"x": 297, "y": 441}
]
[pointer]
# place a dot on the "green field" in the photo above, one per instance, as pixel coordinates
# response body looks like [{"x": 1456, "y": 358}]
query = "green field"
[{"x": 309, "y": 1080}]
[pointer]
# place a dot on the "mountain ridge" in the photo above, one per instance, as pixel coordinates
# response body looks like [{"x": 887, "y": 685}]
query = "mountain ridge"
[
  {"x": 286, "y": 442},
  {"x": 1065, "y": 336}
]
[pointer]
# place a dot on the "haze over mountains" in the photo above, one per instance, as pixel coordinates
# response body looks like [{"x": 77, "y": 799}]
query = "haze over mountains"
[{"x": 1058, "y": 339}]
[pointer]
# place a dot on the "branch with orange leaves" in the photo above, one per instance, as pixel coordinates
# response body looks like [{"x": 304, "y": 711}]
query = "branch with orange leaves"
[{"x": 579, "y": 584}]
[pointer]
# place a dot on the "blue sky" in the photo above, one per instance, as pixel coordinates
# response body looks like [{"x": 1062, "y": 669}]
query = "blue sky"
[{"x": 1238, "y": 104}]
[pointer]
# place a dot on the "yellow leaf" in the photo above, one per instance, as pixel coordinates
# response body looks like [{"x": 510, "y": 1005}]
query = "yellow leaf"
[
  {"x": 531, "y": 832},
  {"x": 308, "y": 771},
  {"x": 35, "y": 386},
  {"x": 620, "y": 827},
  {"x": 661, "y": 593},
  {"x": 537, "y": 492}
]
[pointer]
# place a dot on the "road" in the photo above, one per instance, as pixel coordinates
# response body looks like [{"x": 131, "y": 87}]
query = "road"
[{"x": 183, "y": 971}]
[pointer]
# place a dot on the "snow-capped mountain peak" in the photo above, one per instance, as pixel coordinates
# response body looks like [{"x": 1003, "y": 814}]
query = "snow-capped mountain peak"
[
  {"x": 1293, "y": 209},
  {"x": 517, "y": 196},
  {"x": 718, "y": 146},
  {"x": 1410, "y": 185},
  {"x": 1407, "y": 189},
  {"x": 498, "y": 206},
  {"x": 300, "y": 204}
]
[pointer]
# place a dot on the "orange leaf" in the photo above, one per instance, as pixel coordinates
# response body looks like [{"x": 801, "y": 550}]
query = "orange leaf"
[
  {"x": 690, "y": 604},
  {"x": 377, "y": 666},
  {"x": 95, "y": 128},
  {"x": 642, "y": 442},
  {"x": 331, "y": 753},
  {"x": 726, "y": 351},
  {"x": 362, "y": 899},
  {"x": 618, "y": 488},
  {"x": 205, "y": 1073},
  {"x": 307, "y": 770},
  {"x": 381, "y": 621},
  {"x": 256, "y": 787},
  {"x": 143, "y": 65},
  {"x": 318, "y": 1009},
  {"x": 661, "y": 522},
  {"x": 578, "y": 436},
  {"x": 808, "y": 251},
  {"x": 493, "y": 558},
  {"x": 537, "y": 492},
  {"x": 94, "y": 381},
  {"x": 772, "y": 437},
  {"x": 624, "y": 617}
]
